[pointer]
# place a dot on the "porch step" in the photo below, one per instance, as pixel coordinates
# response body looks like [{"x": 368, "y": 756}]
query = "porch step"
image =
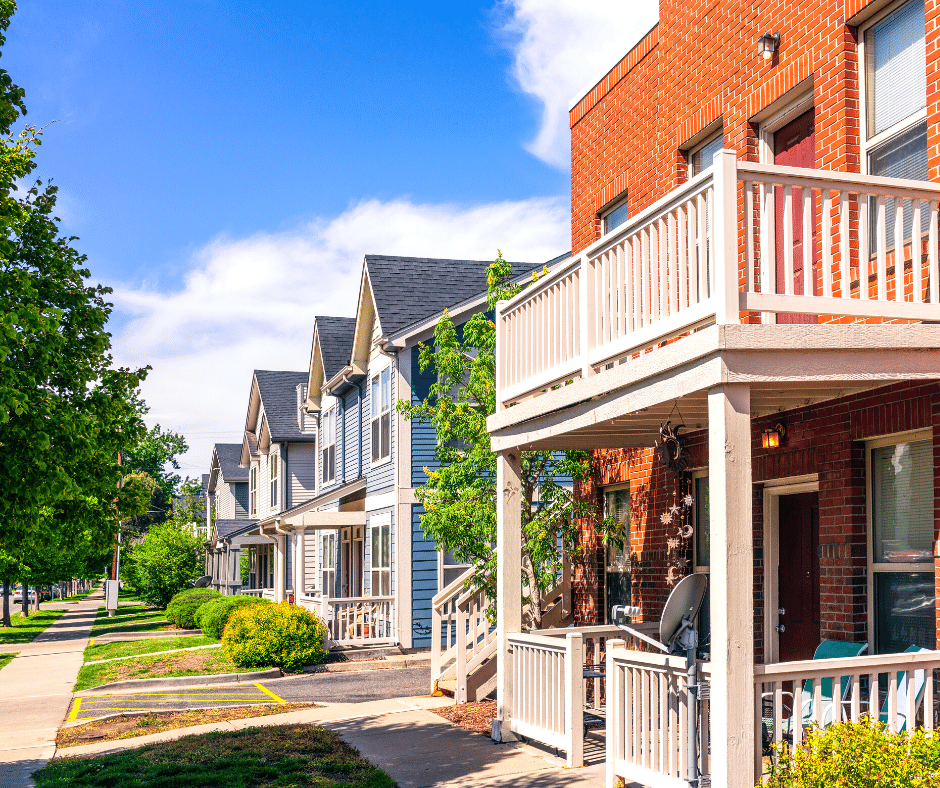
[{"x": 362, "y": 653}]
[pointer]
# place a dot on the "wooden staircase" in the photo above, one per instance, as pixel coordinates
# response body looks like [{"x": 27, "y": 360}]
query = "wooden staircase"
[{"x": 463, "y": 643}]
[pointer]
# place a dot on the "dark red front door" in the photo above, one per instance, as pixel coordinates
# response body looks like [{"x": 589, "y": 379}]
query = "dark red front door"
[
  {"x": 795, "y": 146},
  {"x": 798, "y": 575}
]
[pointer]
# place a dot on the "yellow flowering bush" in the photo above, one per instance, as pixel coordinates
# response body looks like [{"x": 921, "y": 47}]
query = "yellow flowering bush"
[{"x": 285, "y": 635}]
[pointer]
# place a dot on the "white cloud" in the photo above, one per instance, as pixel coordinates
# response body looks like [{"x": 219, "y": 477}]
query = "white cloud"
[
  {"x": 249, "y": 303},
  {"x": 558, "y": 45}
]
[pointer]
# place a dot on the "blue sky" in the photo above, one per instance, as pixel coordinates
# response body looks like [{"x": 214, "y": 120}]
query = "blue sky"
[{"x": 227, "y": 165}]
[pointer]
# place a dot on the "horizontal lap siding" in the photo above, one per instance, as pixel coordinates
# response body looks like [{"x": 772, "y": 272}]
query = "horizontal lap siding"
[
  {"x": 302, "y": 471},
  {"x": 423, "y": 439},
  {"x": 351, "y": 437},
  {"x": 423, "y": 580},
  {"x": 224, "y": 505},
  {"x": 239, "y": 496}
]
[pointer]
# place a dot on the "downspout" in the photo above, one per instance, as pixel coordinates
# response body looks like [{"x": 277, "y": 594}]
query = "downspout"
[{"x": 286, "y": 478}]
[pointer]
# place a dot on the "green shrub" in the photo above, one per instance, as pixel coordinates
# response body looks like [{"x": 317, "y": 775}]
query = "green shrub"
[
  {"x": 859, "y": 755},
  {"x": 213, "y": 616},
  {"x": 182, "y": 608},
  {"x": 285, "y": 635}
]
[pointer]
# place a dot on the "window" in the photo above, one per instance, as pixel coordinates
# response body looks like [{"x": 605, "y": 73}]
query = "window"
[
  {"x": 901, "y": 505},
  {"x": 328, "y": 564},
  {"x": 451, "y": 568},
  {"x": 701, "y": 522},
  {"x": 328, "y": 443},
  {"x": 253, "y": 490},
  {"x": 615, "y": 216},
  {"x": 381, "y": 537},
  {"x": 381, "y": 415},
  {"x": 895, "y": 144},
  {"x": 617, "y": 583},
  {"x": 700, "y": 157},
  {"x": 274, "y": 462}
]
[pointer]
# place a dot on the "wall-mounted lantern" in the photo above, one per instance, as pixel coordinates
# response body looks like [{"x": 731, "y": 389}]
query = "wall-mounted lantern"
[
  {"x": 767, "y": 44},
  {"x": 773, "y": 437}
]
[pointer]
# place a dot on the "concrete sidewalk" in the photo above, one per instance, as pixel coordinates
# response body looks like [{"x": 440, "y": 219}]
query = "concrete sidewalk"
[
  {"x": 36, "y": 690},
  {"x": 416, "y": 747}
]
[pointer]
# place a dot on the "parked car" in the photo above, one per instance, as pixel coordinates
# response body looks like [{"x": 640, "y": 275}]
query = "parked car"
[{"x": 18, "y": 596}]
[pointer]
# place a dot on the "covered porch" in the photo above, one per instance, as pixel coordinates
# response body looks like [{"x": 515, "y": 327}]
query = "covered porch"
[{"x": 682, "y": 310}]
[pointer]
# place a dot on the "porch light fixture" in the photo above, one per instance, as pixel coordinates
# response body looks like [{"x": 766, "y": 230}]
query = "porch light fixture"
[
  {"x": 767, "y": 44},
  {"x": 772, "y": 437}
]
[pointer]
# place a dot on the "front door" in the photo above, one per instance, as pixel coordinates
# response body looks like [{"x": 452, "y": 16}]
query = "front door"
[
  {"x": 798, "y": 575},
  {"x": 795, "y": 146}
]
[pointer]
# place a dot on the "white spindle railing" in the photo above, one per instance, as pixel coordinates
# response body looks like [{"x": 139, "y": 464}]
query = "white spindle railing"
[
  {"x": 897, "y": 689},
  {"x": 709, "y": 251},
  {"x": 254, "y": 591},
  {"x": 647, "y": 733},
  {"x": 361, "y": 620}
]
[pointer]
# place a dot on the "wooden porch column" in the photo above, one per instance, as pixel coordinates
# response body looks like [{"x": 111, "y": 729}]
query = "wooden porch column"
[
  {"x": 732, "y": 596},
  {"x": 280, "y": 568},
  {"x": 508, "y": 582},
  {"x": 300, "y": 568}
]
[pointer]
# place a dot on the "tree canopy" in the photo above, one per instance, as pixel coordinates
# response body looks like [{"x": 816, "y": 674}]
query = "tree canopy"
[{"x": 459, "y": 496}]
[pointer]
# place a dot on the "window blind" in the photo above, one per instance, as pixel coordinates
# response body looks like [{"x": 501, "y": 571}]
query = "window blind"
[
  {"x": 897, "y": 67},
  {"x": 902, "y": 503}
]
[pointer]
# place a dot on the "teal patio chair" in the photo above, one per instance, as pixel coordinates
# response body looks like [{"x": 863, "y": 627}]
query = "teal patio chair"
[{"x": 920, "y": 681}]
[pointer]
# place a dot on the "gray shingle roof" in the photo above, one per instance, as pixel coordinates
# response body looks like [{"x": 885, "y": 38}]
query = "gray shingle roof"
[
  {"x": 409, "y": 289},
  {"x": 229, "y": 455},
  {"x": 336, "y": 338},
  {"x": 279, "y": 396},
  {"x": 227, "y": 528}
]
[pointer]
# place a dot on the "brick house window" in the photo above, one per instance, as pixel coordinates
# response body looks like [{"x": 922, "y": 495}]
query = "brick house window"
[
  {"x": 381, "y": 415},
  {"x": 616, "y": 215},
  {"x": 328, "y": 446},
  {"x": 701, "y": 156},
  {"x": 618, "y": 584},
  {"x": 895, "y": 104},
  {"x": 900, "y": 506}
]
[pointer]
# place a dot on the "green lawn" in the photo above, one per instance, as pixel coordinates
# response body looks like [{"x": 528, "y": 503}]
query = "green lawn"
[
  {"x": 126, "y": 595},
  {"x": 134, "y": 647},
  {"x": 130, "y": 618},
  {"x": 182, "y": 663},
  {"x": 282, "y": 755},
  {"x": 25, "y": 629},
  {"x": 6, "y": 659}
]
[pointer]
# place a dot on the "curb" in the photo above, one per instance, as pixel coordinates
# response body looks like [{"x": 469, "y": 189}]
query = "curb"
[
  {"x": 354, "y": 666},
  {"x": 188, "y": 681}
]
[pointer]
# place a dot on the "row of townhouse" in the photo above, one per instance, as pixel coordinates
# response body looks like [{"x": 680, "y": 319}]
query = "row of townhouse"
[
  {"x": 756, "y": 257},
  {"x": 318, "y": 501}
]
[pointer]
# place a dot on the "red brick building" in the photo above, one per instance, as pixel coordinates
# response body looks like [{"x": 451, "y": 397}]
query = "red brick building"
[{"x": 849, "y": 87}]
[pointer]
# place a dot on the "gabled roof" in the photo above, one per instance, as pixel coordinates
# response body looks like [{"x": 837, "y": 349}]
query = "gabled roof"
[
  {"x": 227, "y": 456},
  {"x": 408, "y": 289},
  {"x": 227, "y": 528},
  {"x": 336, "y": 336},
  {"x": 278, "y": 393}
]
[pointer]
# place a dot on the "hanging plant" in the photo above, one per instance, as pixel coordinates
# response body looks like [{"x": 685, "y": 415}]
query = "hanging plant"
[{"x": 671, "y": 448}]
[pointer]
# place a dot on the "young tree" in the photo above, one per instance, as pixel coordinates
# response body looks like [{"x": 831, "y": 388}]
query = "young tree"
[{"x": 460, "y": 495}]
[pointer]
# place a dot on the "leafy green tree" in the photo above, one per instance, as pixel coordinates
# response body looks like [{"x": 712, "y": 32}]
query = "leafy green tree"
[
  {"x": 460, "y": 495},
  {"x": 167, "y": 561}
]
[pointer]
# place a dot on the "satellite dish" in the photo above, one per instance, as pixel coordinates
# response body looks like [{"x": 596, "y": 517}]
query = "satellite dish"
[
  {"x": 204, "y": 581},
  {"x": 682, "y": 607}
]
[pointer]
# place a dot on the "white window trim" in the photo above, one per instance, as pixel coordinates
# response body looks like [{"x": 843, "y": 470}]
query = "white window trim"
[
  {"x": 866, "y": 144},
  {"x": 708, "y": 138},
  {"x": 330, "y": 412},
  {"x": 620, "y": 200},
  {"x": 253, "y": 490},
  {"x": 377, "y": 371},
  {"x": 910, "y": 436},
  {"x": 274, "y": 477},
  {"x": 604, "y": 490}
]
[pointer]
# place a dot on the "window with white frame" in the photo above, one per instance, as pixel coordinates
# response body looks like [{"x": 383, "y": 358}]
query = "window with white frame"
[
  {"x": 895, "y": 101},
  {"x": 702, "y": 155},
  {"x": 901, "y": 511},
  {"x": 253, "y": 490},
  {"x": 274, "y": 462},
  {"x": 328, "y": 564},
  {"x": 381, "y": 415},
  {"x": 328, "y": 445},
  {"x": 380, "y": 535},
  {"x": 616, "y": 215}
]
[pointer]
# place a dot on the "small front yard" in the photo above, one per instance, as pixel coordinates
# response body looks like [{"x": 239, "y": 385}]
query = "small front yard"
[
  {"x": 283, "y": 755},
  {"x": 136, "y": 647},
  {"x": 183, "y": 663},
  {"x": 128, "y": 726},
  {"x": 24, "y": 630},
  {"x": 130, "y": 618}
]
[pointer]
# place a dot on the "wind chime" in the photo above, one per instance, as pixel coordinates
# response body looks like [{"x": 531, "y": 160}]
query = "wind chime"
[{"x": 673, "y": 453}]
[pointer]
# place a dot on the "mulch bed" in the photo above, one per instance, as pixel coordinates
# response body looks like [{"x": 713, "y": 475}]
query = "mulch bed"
[{"x": 477, "y": 717}]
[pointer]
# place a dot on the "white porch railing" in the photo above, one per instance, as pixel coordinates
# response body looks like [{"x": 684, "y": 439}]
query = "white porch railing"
[
  {"x": 255, "y": 592},
  {"x": 647, "y": 734},
  {"x": 357, "y": 621},
  {"x": 708, "y": 251},
  {"x": 898, "y": 689}
]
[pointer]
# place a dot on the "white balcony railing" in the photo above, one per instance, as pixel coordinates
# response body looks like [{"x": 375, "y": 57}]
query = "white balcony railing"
[
  {"x": 362, "y": 620},
  {"x": 709, "y": 252}
]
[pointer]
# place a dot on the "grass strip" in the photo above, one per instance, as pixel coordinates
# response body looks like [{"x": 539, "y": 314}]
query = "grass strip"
[
  {"x": 6, "y": 659},
  {"x": 127, "y": 726},
  {"x": 24, "y": 630},
  {"x": 280, "y": 755},
  {"x": 138, "y": 647},
  {"x": 130, "y": 618},
  {"x": 182, "y": 663}
]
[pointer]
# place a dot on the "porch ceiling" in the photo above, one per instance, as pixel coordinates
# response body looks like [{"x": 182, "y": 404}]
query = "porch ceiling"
[{"x": 787, "y": 366}]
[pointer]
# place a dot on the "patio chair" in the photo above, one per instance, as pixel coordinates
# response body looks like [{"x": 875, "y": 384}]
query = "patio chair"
[
  {"x": 920, "y": 681},
  {"x": 828, "y": 649}
]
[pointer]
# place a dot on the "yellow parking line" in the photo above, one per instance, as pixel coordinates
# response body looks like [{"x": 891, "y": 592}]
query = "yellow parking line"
[
  {"x": 91, "y": 642},
  {"x": 73, "y": 715},
  {"x": 176, "y": 694},
  {"x": 266, "y": 691}
]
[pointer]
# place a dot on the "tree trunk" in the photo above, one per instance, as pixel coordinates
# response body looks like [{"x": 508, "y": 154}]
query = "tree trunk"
[
  {"x": 6, "y": 604},
  {"x": 535, "y": 594},
  {"x": 25, "y": 601}
]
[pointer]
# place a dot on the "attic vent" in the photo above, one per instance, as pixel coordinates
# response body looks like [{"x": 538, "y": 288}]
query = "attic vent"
[{"x": 301, "y": 402}]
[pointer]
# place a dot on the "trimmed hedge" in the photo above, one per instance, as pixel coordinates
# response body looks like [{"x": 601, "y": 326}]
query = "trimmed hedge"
[
  {"x": 214, "y": 615},
  {"x": 182, "y": 608},
  {"x": 285, "y": 635}
]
